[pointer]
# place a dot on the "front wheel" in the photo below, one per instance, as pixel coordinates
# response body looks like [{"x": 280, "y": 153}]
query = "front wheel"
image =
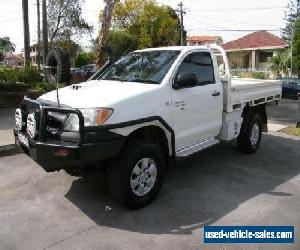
[
  {"x": 250, "y": 137},
  {"x": 136, "y": 177}
]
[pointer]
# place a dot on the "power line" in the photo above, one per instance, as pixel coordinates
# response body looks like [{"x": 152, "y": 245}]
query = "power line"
[
  {"x": 10, "y": 20},
  {"x": 240, "y": 9},
  {"x": 239, "y": 22},
  {"x": 239, "y": 30},
  {"x": 208, "y": 24},
  {"x": 218, "y": 28}
]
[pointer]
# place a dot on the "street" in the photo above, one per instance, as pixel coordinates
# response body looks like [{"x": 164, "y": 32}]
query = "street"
[{"x": 219, "y": 186}]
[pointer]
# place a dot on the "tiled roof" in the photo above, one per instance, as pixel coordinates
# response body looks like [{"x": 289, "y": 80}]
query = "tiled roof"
[
  {"x": 13, "y": 57},
  {"x": 259, "y": 39},
  {"x": 202, "y": 38}
]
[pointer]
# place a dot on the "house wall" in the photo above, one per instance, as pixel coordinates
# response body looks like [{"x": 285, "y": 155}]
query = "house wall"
[
  {"x": 251, "y": 59},
  {"x": 239, "y": 59},
  {"x": 193, "y": 43}
]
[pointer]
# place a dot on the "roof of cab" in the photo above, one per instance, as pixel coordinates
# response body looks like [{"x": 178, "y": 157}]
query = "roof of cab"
[{"x": 180, "y": 48}]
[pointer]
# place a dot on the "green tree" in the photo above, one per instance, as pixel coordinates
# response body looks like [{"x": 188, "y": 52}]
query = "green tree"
[
  {"x": 84, "y": 58},
  {"x": 296, "y": 48},
  {"x": 154, "y": 25},
  {"x": 122, "y": 43},
  {"x": 290, "y": 18},
  {"x": 65, "y": 21},
  {"x": 6, "y": 46}
]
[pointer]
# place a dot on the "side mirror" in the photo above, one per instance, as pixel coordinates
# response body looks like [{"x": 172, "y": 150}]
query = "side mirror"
[{"x": 185, "y": 80}]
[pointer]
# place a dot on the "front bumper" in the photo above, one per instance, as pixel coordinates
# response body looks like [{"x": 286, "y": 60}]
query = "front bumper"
[
  {"x": 62, "y": 155},
  {"x": 92, "y": 144}
]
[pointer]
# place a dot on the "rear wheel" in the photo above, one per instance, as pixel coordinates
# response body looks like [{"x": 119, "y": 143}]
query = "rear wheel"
[
  {"x": 136, "y": 177},
  {"x": 250, "y": 137}
]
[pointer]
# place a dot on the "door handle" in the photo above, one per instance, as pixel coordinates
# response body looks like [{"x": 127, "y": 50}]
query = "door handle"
[{"x": 216, "y": 93}]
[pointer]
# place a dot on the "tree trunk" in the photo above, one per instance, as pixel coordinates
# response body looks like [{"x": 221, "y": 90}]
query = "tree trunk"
[
  {"x": 103, "y": 37},
  {"x": 45, "y": 31},
  {"x": 38, "y": 57},
  {"x": 26, "y": 32}
]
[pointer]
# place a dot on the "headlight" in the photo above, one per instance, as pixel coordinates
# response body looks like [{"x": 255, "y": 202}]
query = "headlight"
[
  {"x": 96, "y": 116},
  {"x": 92, "y": 117},
  {"x": 72, "y": 123}
]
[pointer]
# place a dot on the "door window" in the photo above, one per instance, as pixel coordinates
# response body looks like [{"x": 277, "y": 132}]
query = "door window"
[{"x": 201, "y": 64}]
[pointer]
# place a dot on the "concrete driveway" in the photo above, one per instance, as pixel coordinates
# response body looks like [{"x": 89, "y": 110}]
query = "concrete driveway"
[
  {"x": 7, "y": 122},
  {"x": 286, "y": 114},
  {"x": 219, "y": 186}
]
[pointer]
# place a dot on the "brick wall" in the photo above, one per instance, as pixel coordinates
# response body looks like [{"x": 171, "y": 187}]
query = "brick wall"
[{"x": 13, "y": 99}]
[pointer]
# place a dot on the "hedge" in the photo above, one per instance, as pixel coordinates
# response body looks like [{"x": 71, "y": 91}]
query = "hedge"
[
  {"x": 28, "y": 75},
  {"x": 13, "y": 86}
]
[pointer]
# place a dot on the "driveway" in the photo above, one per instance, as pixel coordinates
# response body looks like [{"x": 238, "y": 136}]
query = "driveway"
[
  {"x": 286, "y": 114},
  {"x": 7, "y": 121},
  {"x": 219, "y": 186}
]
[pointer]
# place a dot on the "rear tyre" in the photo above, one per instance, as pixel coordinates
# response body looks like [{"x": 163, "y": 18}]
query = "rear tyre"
[
  {"x": 136, "y": 177},
  {"x": 250, "y": 137}
]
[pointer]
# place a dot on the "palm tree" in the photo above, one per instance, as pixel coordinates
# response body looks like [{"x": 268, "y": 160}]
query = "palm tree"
[{"x": 279, "y": 64}]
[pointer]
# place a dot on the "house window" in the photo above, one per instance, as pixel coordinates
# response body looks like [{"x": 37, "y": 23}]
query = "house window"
[{"x": 265, "y": 56}]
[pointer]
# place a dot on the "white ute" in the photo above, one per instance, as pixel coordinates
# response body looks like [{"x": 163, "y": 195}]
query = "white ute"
[{"x": 148, "y": 107}]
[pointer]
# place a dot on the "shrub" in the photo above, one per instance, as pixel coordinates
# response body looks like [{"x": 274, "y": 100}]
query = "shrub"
[
  {"x": 13, "y": 86},
  {"x": 84, "y": 58},
  {"x": 45, "y": 87},
  {"x": 28, "y": 75},
  {"x": 9, "y": 74},
  {"x": 255, "y": 75},
  {"x": 258, "y": 75}
]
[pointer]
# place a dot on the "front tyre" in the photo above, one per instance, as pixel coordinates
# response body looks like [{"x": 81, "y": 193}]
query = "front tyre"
[
  {"x": 250, "y": 137},
  {"x": 136, "y": 177}
]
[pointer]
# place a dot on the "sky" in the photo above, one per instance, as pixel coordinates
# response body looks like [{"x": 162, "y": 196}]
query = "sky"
[{"x": 202, "y": 17}]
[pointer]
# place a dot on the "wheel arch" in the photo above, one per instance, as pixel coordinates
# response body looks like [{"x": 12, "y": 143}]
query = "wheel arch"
[
  {"x": 154, "y": 134},
  {"x": 249, "y": 111},
  {"x": 154, "y": 129}
]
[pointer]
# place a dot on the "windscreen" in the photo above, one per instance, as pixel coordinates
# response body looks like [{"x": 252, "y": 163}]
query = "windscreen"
[{"x": 144, "y": 67}]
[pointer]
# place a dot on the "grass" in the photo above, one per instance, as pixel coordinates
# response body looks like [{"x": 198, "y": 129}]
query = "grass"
[{"x": 291, "y": 131}]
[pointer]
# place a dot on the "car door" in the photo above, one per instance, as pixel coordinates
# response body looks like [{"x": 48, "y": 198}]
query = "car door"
[{"x": 197, "y": 111}]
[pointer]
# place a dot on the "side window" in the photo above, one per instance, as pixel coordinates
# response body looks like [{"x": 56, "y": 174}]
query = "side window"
[{"x": 201, "y": 64}]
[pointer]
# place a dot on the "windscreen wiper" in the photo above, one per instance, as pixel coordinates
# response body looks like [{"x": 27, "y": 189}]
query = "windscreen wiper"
[
  {"x": 143, "y": 81},
  {"x": 113, "y": 79}
]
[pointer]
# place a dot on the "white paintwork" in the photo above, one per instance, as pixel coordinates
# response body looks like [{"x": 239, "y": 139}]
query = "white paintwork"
[
  {"x": 129, "y": 129},
  {"x": 231, "y": 125},
  {"x": 196, "y": 117}
]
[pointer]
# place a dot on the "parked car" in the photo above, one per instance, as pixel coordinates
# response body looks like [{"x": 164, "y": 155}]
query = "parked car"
[
  {"x": 83, "y": 73},
  {"x": 146, "y": 110},
  {"x": 291, "y": 88},
  {"x": 87, "y": 70}
]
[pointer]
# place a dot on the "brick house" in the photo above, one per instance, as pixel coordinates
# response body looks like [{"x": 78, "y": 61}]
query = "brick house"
[
  {"x": 203, "y": 40},
  {"x": 253, "y": 51},
  {"x": 13, "y": 60}
]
